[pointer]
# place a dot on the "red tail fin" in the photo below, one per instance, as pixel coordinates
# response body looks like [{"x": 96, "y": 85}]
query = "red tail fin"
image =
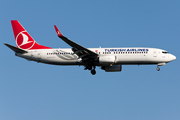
[{"x": 23, "y": 39}]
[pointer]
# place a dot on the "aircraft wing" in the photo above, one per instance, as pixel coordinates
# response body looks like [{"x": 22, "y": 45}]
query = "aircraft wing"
[{"x": 79, "y": 50}]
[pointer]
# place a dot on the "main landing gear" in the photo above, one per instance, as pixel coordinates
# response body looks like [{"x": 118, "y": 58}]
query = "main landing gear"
[
  {"x": 92, "y": 68},
  {"x": 93, "y": 72}
]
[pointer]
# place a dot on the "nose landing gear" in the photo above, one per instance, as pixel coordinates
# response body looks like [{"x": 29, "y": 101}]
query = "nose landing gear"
[
  {"x": 158, "y": 69},
  {"x": 160, "y": 64}
]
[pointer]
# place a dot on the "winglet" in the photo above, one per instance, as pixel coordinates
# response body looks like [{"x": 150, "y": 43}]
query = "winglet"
[{"x": 58, "y": 32}]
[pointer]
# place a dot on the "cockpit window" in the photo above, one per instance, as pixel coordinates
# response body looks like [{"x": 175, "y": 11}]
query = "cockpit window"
[{"x": 165, "y": 52}]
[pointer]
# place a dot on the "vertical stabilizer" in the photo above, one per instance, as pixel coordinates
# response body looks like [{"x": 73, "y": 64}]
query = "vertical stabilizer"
[{"x": 23, "y": 39}]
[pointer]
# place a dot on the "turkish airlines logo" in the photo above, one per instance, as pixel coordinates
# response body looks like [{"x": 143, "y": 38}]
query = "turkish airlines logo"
[{"x": 24, "y": 40}]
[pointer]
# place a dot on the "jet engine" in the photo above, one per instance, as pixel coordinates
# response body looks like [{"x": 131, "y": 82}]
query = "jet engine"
[
  {"x": 113, "y": 68},
  {"x": 107, "y": 60}
]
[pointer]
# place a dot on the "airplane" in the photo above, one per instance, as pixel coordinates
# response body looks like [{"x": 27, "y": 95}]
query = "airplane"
[{"x": 109, "y": 59}]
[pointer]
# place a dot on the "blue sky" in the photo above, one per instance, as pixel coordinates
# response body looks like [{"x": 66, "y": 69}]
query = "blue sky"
[{"x": 35, "y": 91}]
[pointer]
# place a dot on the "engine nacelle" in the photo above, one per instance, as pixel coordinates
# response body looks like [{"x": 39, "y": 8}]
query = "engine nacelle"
[
  {"x": 113, "y": 68},
  {"x": 107, "y": 59}
]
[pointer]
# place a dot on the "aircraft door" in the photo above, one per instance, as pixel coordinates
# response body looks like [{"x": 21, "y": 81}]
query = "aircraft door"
[
  {"x": 155, "y": 53},
  {"x": 39, "y": 55}
]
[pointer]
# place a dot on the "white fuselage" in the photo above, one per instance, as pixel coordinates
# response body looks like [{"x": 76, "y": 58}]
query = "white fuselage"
[
  {"x": 110, "y": 59},
  {"x": 107, "y": 56}
]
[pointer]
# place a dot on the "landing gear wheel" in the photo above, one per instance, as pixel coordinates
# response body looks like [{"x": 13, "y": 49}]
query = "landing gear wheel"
[
  {"x": 93, "y": 72},
  {"x": 158, "y": 69},
  {"x": 88, "y": 67}
]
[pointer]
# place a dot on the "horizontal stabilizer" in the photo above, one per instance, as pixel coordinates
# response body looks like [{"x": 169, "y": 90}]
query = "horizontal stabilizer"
[{"x": 15, "y": 49}]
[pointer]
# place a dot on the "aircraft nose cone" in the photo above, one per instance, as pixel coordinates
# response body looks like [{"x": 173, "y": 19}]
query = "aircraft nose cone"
[{"x": 173, "y": 57}]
